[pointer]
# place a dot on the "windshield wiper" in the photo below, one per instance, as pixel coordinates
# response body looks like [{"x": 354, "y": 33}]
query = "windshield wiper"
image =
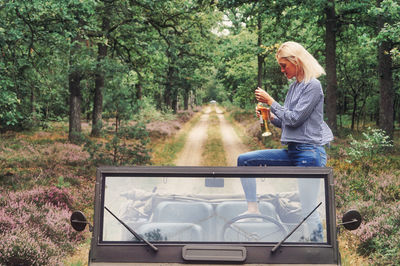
[
  {"x": 132, "y": 231},
  {"x": 294, "y": 229}
]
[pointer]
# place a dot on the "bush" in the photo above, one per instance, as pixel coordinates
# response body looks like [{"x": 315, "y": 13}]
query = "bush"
[
  {"x": 27, "y": 247},
  {"x": 126, "y": 147},
  {"x": 35, "y": 227},
  {"x": 41, "y": 196},
  {"x": 379, "y": 236},
  {"x": 375, "y": 142},
  {"x": 369, "y": 181}
]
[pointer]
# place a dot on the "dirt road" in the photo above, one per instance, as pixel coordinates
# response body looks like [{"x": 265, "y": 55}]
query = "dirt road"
[{"x": 193, "y": 149}]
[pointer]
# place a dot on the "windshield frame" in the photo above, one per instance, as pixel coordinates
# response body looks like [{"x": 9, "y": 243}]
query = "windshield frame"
[{"x": 104, "y": 251}]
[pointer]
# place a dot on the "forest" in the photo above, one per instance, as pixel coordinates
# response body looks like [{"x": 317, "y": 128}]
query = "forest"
[
  {"x": 106, "y": 59},
  {"x": 110, "y": 65}
]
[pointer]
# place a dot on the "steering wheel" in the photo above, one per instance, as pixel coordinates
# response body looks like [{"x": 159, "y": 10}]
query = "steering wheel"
[{"x": 229, "y": 224}]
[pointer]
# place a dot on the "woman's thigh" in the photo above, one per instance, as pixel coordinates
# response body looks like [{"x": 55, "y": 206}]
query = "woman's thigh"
[
  {"x": 269, "y": 157},
  {"x": 307, "y": 155}
]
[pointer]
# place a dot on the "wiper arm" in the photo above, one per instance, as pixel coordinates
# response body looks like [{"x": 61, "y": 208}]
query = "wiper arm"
[
  {"x": 294, "y": 229},
  {"x": 132, "y": 231}
]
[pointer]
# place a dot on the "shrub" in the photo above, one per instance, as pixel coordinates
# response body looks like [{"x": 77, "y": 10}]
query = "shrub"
[
  {"x": 65, "y": 154},
  {"x": 58, "y": 197},
  {"x": 27, "y": 247},
  {"x": 379, "y": 236},
  {"x": 369, "y": 181},
  {"x": 35, "y": 227},
  {"x": 126, "y": 147},
  {"x": 375, "y": 142}
]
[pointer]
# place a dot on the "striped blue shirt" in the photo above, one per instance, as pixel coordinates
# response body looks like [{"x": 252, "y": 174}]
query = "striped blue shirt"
[{"x": 301, "y": 118}]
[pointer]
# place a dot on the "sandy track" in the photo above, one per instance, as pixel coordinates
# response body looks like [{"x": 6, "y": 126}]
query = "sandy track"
[
  {"x": 232, "y": 144},
  {"x": 191, "y": 153},
  {"x": 193, "y": 149}
]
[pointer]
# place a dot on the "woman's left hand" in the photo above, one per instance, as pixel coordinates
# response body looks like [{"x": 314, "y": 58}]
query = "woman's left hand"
[{"x": 263, "y": 96}]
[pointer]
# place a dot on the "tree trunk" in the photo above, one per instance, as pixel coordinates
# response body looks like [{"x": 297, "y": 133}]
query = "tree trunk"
[
  {"x": 330, "y": 46},
  {"x": 353, "y": 113},
  {"x": 139, "y": 90},
  {"x": 386, "y": 90},
  {"x": 168, "y": 95},
  {"x": 174, "y": 105},
  {"x": 186, "y": 98},
  {"x": 260, "y": 58},
  {"x": 33, "y": 105},
  {"x": 75, "y": 100},
  {"x": 97, "y": 117}
]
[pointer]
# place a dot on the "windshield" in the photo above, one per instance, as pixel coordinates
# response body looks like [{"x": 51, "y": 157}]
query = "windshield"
[{"x": 201, "y": 209}]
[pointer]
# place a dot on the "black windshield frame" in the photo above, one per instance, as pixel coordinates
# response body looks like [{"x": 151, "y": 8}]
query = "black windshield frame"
[{"x": 105, "y": 251}]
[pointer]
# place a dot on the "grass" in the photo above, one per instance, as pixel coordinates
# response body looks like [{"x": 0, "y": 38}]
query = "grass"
[
  {"x": 246, "y": 139},
  {"x": 213, "y": 152},
  {"x": 347, "y": 247},
  {"x": 81, "y": 253},
  {"x": 166, "y": 150}
]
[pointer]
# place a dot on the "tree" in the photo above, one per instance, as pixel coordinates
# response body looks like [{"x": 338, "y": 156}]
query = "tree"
[
  {"x": 330, "y": 62},
  {"x": 387, "y": 15}
]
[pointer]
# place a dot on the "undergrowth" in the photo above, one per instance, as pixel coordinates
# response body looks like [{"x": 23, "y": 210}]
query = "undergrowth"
[
  {"x": 43, "y": 178},
  {"x": 165, "y": 150}
]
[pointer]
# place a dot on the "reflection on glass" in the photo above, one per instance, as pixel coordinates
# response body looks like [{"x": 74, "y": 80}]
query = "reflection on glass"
[{"x": 191, "y": 210}]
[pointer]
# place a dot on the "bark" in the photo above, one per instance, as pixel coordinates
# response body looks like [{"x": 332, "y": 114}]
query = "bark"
[
  {"x": 386, "y": 101},
  {"x": 386, "y": 90},
  {"x": 175, "y": 102},
  {"x": 97, "y": 117},
  {"x": 260, "y": 58},
  {"x": 75, "y": 100},
  {"x": 186, "y": 99},
  {"x": 168, "y": 89},
  {"x": 33, "y": 105},
  {"x": 330, "y": 46},
  {"x": 139, "y": 91}
]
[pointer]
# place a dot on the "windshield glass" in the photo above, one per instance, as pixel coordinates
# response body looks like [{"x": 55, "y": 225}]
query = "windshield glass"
[{"x": 196, "y": 209}]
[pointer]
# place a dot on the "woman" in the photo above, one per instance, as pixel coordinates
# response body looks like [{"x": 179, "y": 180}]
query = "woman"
[{"x": 303, "y": 128}]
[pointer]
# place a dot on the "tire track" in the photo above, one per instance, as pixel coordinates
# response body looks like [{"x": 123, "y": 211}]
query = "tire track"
[{"x": 193, "y": 149}]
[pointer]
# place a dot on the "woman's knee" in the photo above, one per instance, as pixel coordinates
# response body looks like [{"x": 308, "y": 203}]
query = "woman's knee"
[{"x": 241, "y": 161}]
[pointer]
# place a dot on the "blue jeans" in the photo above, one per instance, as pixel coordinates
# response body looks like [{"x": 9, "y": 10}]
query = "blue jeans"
[{"x": 296, "y": 154}]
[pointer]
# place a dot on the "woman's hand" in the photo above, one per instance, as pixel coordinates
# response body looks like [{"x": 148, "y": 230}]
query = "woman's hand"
[
  {"x": 271, "y": 116},
  {"x": 257, "y": 112},
  {"x": 263, "y": 96}
]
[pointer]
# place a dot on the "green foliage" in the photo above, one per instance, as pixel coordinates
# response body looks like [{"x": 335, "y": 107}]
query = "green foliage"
[
  {"x": 126, "y": 147},
  {"x": 164, "y": 55},
  {"x": 9, "y": 116},
  {"x": 371, "y": 184},
  {"x": 62, "y": 183},
  {"x": 375, "y": 142}
]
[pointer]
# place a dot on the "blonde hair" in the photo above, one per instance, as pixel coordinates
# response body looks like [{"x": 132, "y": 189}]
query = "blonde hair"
[{"x": 299, "y": 56}]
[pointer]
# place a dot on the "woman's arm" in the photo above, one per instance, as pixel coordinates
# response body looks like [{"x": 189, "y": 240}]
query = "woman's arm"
[
  {"x": 275, "y": 120},
  {"x": 310, "y": 96}
]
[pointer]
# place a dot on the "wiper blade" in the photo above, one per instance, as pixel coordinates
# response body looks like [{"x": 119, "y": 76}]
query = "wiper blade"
[
  {"x": 294, "y": 229},
  {"x": 132, "y": 231}
]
